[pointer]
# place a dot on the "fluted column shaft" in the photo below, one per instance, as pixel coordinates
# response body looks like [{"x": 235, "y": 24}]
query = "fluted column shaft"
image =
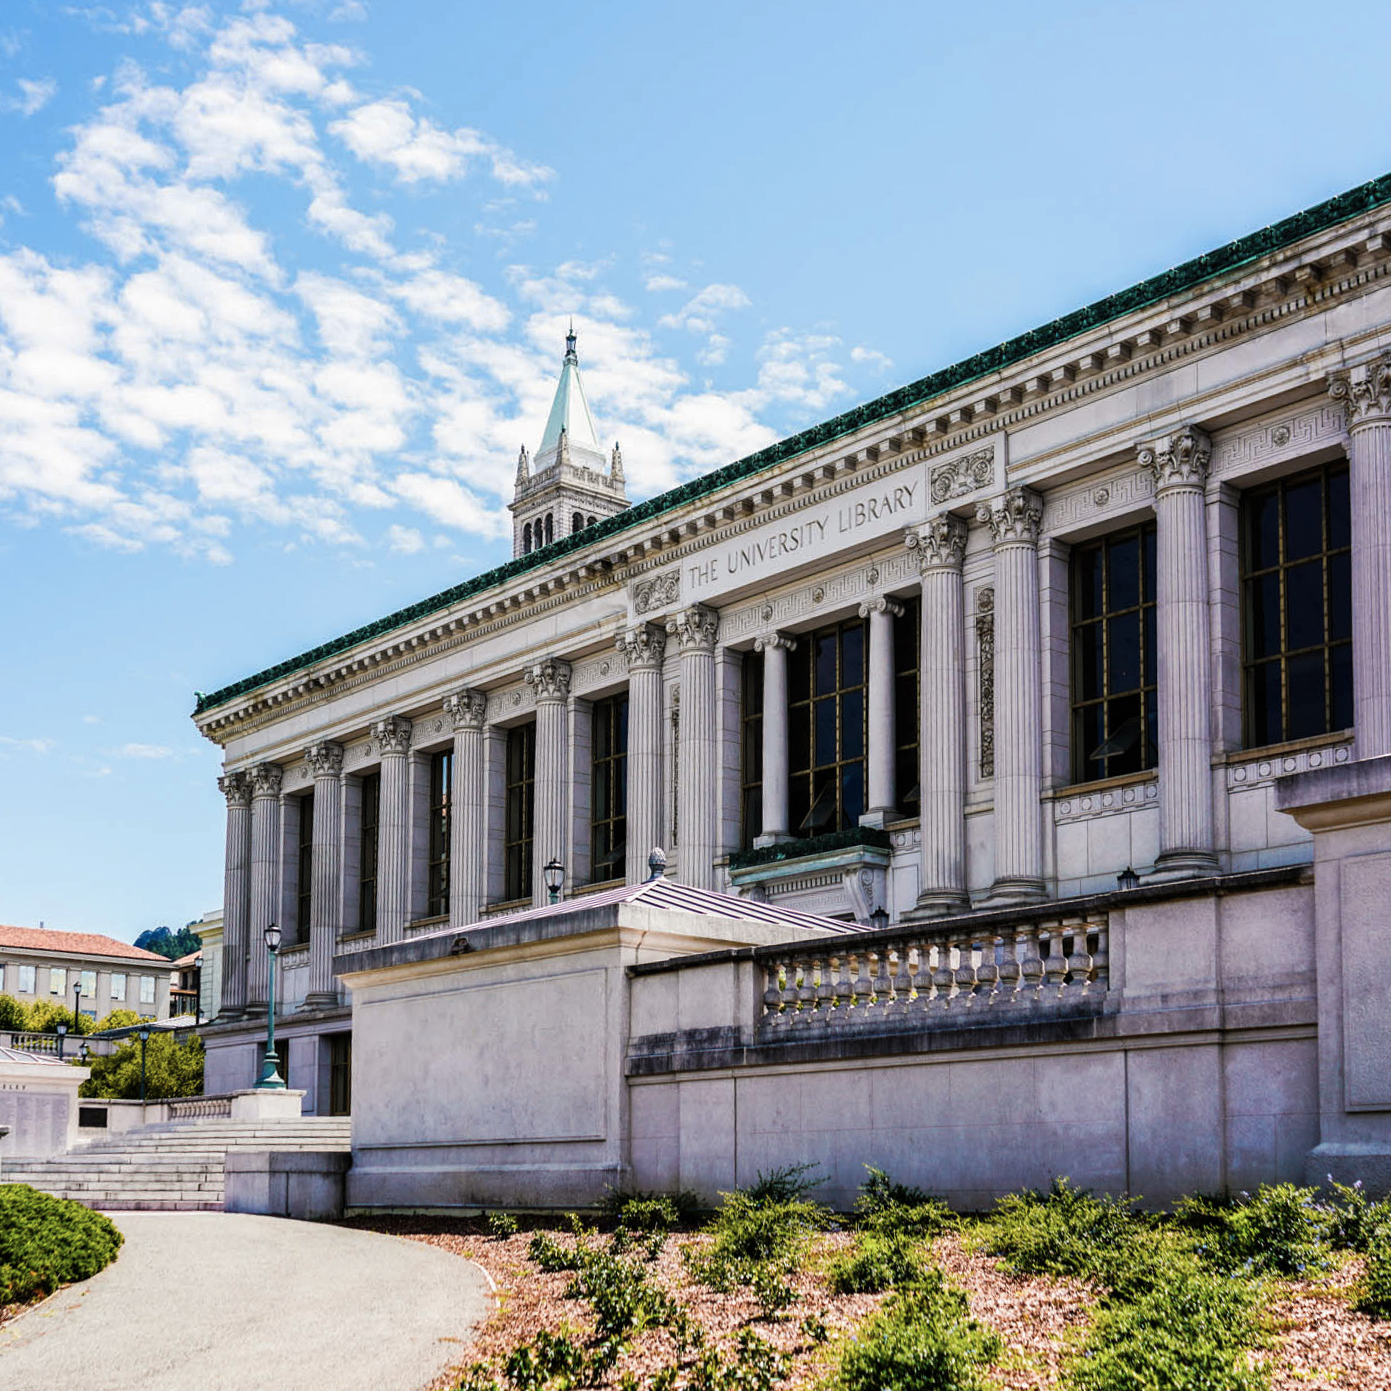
[
  {"x": 551, "y": 682},
  {"x": 1367, "y": 398},
  {"x": 941, "y": 547},
  {"x": 326, "y": 867},
  {"x": 467, "y": 709},
  {"x": 880, "y": 789},
  {"x": 775, "y": 647},
  {"x": 265, "y": 877},
  {"x": 392, "y": 737},
  {"x": 236, "y": 894},
  {"x": 697, "y": 630},
  {"x": 644, "y": 647},
  {"x": 1014, "y": 524},
  {"x": 1184, "y": 675}
]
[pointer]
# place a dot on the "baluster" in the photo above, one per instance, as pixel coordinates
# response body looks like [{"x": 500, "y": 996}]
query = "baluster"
[
  {"x": 903, "y": 979},
  {"x": 825, "y": 986},
  {"x": 806, "y": 993},
  {"x": 863, "y": 988},
  {"x": 843, "y": 990},
  {"x": 1031, "y": 967},
  {"x": 942, "y": 976},
  {"x": 1079, "y": 961},
  {"x": 1009, "y": 969},
  {"x": 1101, "y": 958},
  {"x": 791, "y": 969},
  {"x": 1055, "y": 967},
  {"x": 987, "y": 971},
  {"x": 882, "y": 984},
  {"x": 965, "y": 975},
  {"x": 772, "y": 993}
]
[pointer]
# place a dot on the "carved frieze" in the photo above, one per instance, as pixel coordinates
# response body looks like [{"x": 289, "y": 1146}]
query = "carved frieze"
[
  {"x": 1096, "y": 499},
  {"x": 659, "y": 591},
  {"x": 966, "y": 474},
  {"x": 1277, "y": 440},
  {"x": 985, "y": 667}
]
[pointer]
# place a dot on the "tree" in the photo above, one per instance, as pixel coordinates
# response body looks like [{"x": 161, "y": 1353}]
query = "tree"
[
  {"x": 117, "y": 1019},
  {"x": 170, "y": 944},
  {"x": 13, "y": 1015},
  {"x": 171, "y": 1069}
]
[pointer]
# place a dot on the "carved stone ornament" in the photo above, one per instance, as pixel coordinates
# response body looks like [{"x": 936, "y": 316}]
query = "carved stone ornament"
[
  {"x": 1366, "y": 398},
  {"x": 940, "y": 543},
  {"x": 236, "y": 787},
  {"x": 1015, "y": 520},
  {"x": 643, "y": 646},
  {"x": 1180, "y": 461},
  {"x": 881, "y": 603},
  {"x": 783, "y": 640},
  {"x": 466, "y": 708},
  {"x": 985, "y": 641},
  {"x": 325, "y": 759},
  {"x": 550, "y": 680},
  {"x": 392, "y": 735},
  {"x": 968, "y": 473},
  {"x": 266, "y": 779},
  {"x": 697, "y": 628},
  {"x": 657, "y": 591}
]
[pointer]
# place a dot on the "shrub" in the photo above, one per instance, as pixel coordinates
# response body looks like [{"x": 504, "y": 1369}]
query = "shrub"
[
  {"x": 46, "y": 1242},
  {"x": 620, "y": 1295},
  {"x": 764, "y": 1230},
  {"x": 171, "y": 1069},
  {"x": 877, "y": 1263},
  {"x": 1374, "y": 1298},
  {"x": 13, "y": 1015},
  {"x": 502, "y": 1224},
  {"x": 781, "y": 1186},
  {"x": 1282, "y": 1230},
  {"x": 1355, "y": 1220},
  {"x": 550, "y": 1255},
  {"x": 755, "y": 1366},
  {"x": 1066, "y": 1231},
  {"x": 530, "y": 1367},
  {"x": 879, "y": 1192},
  {"x": 645, "y": 1204}
]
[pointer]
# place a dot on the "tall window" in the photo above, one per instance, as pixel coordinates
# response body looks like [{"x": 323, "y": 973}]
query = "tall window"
[
  {"x": 57, "y": 981},
  {"x": 526, "y": 539},
  {"x": 367, "y": 853},
  {"x": 751, "y": 749},
  {"x": 118, "y": 984},
  {"x": 609, "y": 788},
  {"x": 907, "y": 641},
  {"x": 304, "y": 881},
  {"x": 147, "y": 990},
  {"x": 826, "y": 729},
  {"x": 1114, "y": 703},
  {"x": 517, "y": 833},
  {"x": 89, "y": 984},
  {"x": 437, "y": 888},
  {"x": 26, "y": 980},
  {"x": 1297, "y": 607}
]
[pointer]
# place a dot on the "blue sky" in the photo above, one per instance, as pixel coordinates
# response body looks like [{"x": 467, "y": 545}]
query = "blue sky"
[{"x": 283, "y": 288}]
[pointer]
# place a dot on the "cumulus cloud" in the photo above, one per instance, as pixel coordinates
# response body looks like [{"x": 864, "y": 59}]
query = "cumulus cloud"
[
  {"x": 144, "y": 751},
  {"x": 33, "y": 96}
]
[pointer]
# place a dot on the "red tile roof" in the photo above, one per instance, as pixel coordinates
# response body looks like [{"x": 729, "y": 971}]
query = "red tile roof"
[{"x": 74, "y": 944}]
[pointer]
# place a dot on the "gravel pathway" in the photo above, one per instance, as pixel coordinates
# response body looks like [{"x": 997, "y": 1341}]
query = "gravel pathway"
[{"x": 218, "y": 1300}]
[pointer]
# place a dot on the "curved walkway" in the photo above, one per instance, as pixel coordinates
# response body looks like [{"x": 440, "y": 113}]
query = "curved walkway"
[{"x": 219, "y": 1300}]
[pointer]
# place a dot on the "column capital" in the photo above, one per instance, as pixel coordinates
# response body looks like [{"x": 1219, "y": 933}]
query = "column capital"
[
  {"x": 1179, "y": 460},
  {"x": 550, "y": 679},
  {"x": 466, "y": 708},
  {"x": 1366, "y": 397},
  {"x": 236, "y": 787},
  {"x": 325, "y": 759},
  {"x": 644, "y": 646},
  {"x": 940, "y": 543},
  {"x": 881, "y": 603},
  {"x": 697, "y": 628},
  {"x": 1015, "y": 519},
  {"x": 393, "y": 734},
  {"x": 266, "y": 779},
  {"x": 784, "y": 640}
]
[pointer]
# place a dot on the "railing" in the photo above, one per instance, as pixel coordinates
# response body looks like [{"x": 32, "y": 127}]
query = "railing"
[
  {"x": 42, "y": 1043},
  {"x": 190, "y": 1108},
  {"x": 928, "y": 977}
]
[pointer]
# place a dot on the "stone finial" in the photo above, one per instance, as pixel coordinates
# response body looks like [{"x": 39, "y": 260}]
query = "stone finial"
[
  {"x": 616, "y": 465},
  {"x": 523, "y": 467},
  {"x": 325, "y": 759},
  {"x": 266, "y": 779},
  {"x": 940, "y": 543},
  {"x": 1178, "y": 461},
  {"x": 466, "y": 708},
  {"x": 1016, "y": 519},
  {"x": 236, "y": 787},
  {"x": 644, "y": 646},
  {"x": 392, "y": 735},
  {"x": 549, "y": 679},
  {"x": 656, "y": 863},
  {"x": 696, "y": 628},
  {"x": 1367, "y": 397}
]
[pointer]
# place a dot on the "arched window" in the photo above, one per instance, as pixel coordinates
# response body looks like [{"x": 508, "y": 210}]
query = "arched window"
[
  {"x": 577, "y": 523},
  {"x": 591, "y": 521},
  {"x": 550, "y": 528},
  {"x": 526, "y": 539}
]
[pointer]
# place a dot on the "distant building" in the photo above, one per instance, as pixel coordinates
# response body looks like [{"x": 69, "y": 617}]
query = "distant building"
[
  {"x": 209, "y": 930},
  {"x": 38, "y": 963}
]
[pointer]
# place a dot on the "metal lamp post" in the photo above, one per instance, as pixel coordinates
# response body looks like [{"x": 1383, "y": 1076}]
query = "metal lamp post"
[
  {"x": 62, "y": 1031},
  {"x": 144, "y": 1039},
  {"x": 271, "y": 1080},
  {"x": 77, "y": 1006},
  {"x": 554, "y": 874}
]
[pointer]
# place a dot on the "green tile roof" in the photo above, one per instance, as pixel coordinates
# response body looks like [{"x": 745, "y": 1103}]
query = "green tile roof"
[{"x": 1234, "y": 255}]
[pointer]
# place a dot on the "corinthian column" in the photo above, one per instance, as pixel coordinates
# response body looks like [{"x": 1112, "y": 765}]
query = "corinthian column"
[
  {"x": 392, "y": 737},
  {"x": 1014, "y": 524},
  {"x": 551, "y": 682},
  {"x": 696, "y": 630},
  {"x": 1367, "y": 398},
  {"x": 236, "y": 894},
  {"x": 1184, "y": 677},
  {"x": 775, "y": 647},
  {"x": 941, "y": 547},
  {"x": 644, "y": 647},
  {"x": 265, "y": 877},
  {"x": 881, "y": 793},
  {"x": 326, "y": 868},
  {"x": 467, "y": 889}
]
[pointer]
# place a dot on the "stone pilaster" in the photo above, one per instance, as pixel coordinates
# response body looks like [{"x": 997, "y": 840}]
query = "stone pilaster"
[
  {"x": 1014, "y": 525},
  {"x": 1179, "y": 464},
  {"x": 265, "y": 878},
  {"x": 236, "y": 894},
  {"x": 941, "y": 548},
  {"x": 551, "y": 682},
  {"x": 881, "y": 792},
  {"x": 326, "y": 867},
  {"x": 775, "y": 647},
  {"x": 1366, "y": 396},
  {"x": 644, "y": 647},
  {"x": 697, "y": 630},
  {"x": 392, "y": 736},
  {"x": 467, "y": 710}
]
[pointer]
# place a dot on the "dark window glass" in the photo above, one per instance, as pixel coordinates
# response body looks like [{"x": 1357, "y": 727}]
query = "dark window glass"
[
  {"x": 517, "y": 832},
  {"x": 367, "y": 853},
  {"x": 576, "y": 522},
  {"x": 826, "y": 730},
  {"x": 340, "y": 1074},
  {"x": 437, "y": 884},
  {"x": 608, "y": 788},
  {"x": 1297, "y": 607},
  {"x": 907, "y": 638},
  {"x": 751, "y": 748},
  {"x": 1113, "y": 655},
  {"x": 304, "y": 868}
]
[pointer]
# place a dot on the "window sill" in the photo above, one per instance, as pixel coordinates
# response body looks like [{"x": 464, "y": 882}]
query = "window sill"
[
  {"x": 507, "y": 905},
  {"x": 424, "y": 924},
  {"x": 1084, "y": 789},
  {"x": 358, "y": 936},
  {"x": 1290, "y": 746},
  {"x": 598, "y": 886}
]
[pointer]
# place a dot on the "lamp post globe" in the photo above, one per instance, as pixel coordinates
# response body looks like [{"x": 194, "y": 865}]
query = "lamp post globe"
[
  {"x": 144, "y": 1037},
  {"x": 62, "y": 1032},
  {"x": 270, "y": 1079},
  {"x": 554, "y": 875}
]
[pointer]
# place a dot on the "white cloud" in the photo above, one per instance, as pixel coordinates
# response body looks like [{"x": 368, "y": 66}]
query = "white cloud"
[
  {"x": 701, "y": 312},
  {"x": 872, "y": 358},
  {"x": 33, "y": 96},
  {"x": 145, "y": 751},
  {"x": 405, "y": 540},
  {"x": 660, "y": 282},
  {"x": 8, "y": 743},
  {"x": 354, "y": 11}
]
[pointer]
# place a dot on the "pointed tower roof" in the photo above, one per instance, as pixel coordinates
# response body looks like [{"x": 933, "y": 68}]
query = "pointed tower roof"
[{"x": 570, "y": 414}]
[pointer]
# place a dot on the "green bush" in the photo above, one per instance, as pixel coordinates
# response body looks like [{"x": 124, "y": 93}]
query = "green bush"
[
  {"x": 551, "y": 1358},
  {"x": 924, "y": 1340},
  {"x": 1374, "y": 1298},
  {"x": 782, "y": 1186},
  {"x": 879, "y": 1192},
  {"x": 623, "y": 1299},
  {"x": 171, "y": 1069},
  {"x": 46, "y": 1242},
  {"x": 1282, "y": 1230},
  {"x": 13, "y": 1015},
  {"x": 550, "y": 1255},
  {"x": 501, "y": 1225},
  {"x": 633, "y": 1207},
  {"x": 877, "y": 1263},
  {"x": 755, "y": 1366},
  {"x": 756, "y": 1230},
  {"x": 1066, "y": 1231},
  {"x": 1356, "y": 1221}
]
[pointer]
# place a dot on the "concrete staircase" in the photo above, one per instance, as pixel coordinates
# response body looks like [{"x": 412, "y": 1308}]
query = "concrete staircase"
[{"x": 177, "y": 1165}]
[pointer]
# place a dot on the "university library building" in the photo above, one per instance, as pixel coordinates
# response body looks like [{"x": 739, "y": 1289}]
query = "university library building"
[{"x": 989, "y": 783}]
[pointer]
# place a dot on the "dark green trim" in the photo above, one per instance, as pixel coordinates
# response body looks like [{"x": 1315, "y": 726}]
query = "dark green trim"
[
  {"x": 856, "y": 836},
  {"x": 1185, "y": 277}
]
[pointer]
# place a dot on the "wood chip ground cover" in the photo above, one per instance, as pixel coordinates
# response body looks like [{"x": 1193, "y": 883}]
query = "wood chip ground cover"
[{"x": 1320, "y": 1343}]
